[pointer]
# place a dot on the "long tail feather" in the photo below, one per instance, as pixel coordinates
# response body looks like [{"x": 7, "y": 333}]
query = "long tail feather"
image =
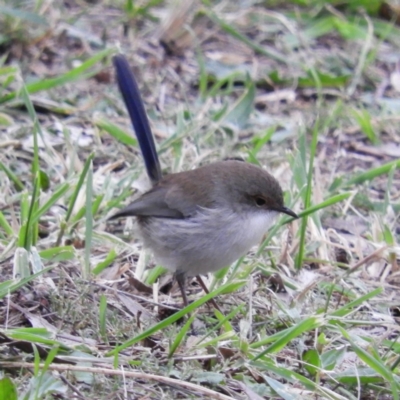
[{"x": 133, "y": 101}]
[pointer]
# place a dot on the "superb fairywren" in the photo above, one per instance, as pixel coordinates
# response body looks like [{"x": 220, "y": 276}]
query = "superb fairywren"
[{"x": 201, "y": 220}]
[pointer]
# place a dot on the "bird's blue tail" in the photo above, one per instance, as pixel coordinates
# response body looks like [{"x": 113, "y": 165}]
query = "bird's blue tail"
[{"x": 133, "y": 102}]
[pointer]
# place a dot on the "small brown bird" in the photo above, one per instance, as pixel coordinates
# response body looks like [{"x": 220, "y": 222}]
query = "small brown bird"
[{"x": 201, "y": 220}]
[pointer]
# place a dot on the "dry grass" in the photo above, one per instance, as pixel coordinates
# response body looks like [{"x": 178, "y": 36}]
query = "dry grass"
[{"x": 311, "y": 313}]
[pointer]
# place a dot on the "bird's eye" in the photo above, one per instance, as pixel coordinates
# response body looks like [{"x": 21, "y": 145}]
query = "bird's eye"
[{"x": 260, "y": 201}]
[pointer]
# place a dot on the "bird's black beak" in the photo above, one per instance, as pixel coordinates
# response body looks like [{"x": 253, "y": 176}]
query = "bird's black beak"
[{"x": 288, "y": 211}]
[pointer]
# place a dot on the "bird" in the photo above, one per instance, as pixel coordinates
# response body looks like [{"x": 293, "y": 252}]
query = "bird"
[{"x": 201, "y": 220}]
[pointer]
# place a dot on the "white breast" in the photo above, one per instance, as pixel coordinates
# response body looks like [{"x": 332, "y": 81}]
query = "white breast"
[{"x": 205, "y": 243}]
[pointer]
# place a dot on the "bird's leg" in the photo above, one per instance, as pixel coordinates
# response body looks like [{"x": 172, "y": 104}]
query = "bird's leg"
[
  {"x": 180, "y": 278},
  {"x": 204, "y": 287}
]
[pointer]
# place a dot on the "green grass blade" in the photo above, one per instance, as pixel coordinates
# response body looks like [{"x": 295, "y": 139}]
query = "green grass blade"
[
  {"x": 103, "y": 317},
  {"x": 8, "y": 391},
  {"x": 372, "y": 173},
  {"x": 28, "y": 231},
  {"x": 111, "y": 256},
  {"x": 89, "y": 221},
  {"x": 74, "y": 196},
  {"x": 349, "y": 307},
  {"x": 35, "y": 131},
  {"x": 79, "y": 185},
  {"x": 116, "y": 132},
  {"x": 375, "y": 363},
  {"x": 320, "y": 206},
  {"x": 363, "y": 118},
  {"x": 228, "y": 28},
  {"x": 6, "y": 226},
  {"x": 19, "y": 186},
  {"x": 173, "y": 318},
  {"x": 78, "y": 73},
  {"x": 58, "y": 194},
  {"x": 223, "y": 321},
  {"x": 23, "y": 15},
  {"x": 307, "y": 196},
  {"x": 62, "y": 253},
  {"x": 304, "y": 326},
  {"x": 11, "y": 286},
  {"x": 240, "y": 112},
  {"x": 181, "y": 335}
]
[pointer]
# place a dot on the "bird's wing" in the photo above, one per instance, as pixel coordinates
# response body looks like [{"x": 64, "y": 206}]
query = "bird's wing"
[
  {"x": 176, "y": 196},
  {"x": 150, "y": 204}
]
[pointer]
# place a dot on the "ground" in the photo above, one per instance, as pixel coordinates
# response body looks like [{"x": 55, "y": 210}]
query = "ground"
[{"x": 307, "y": 90}]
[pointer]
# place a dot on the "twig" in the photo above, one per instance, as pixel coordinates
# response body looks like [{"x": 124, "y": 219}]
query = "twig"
[
  {"x": 130, "y": 374},
  {"x": 365, "y": 260}
]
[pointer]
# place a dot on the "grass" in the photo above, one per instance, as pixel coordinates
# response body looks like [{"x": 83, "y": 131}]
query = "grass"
[{"x": 302, "y": 88}]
